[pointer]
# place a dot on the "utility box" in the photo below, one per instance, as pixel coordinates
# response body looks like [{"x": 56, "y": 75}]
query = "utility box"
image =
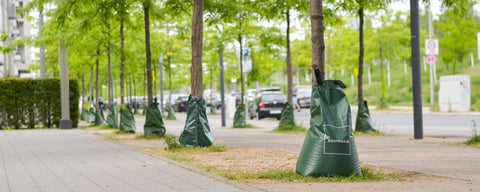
[{"x": 454, "y": 93}]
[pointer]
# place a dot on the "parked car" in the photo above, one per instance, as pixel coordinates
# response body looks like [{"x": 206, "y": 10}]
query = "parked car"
[
  {"x": 181, "y": 103},
  {"x": 237, "y": 96},
  {"x": 212, "y": 98},
  {"x": 268, "y": 104},
  {"x": 303, "y": 98}
]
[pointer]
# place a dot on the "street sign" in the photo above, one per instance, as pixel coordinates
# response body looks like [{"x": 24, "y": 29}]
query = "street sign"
[
  {"x": 431, "y": 47},
  {"x": 431, "y": 59}
]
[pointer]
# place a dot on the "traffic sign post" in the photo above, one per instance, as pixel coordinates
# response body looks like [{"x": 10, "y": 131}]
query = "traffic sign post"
[
  {"x": 431, "y": 59},
  {"x": 431, "y": 47}
]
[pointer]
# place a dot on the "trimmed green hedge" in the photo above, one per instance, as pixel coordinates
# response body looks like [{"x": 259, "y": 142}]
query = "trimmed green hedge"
[{"x": 30, "y": 102}]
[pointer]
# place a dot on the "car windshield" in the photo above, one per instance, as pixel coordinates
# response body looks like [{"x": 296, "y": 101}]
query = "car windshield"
[{"x": 271, "y": 97}]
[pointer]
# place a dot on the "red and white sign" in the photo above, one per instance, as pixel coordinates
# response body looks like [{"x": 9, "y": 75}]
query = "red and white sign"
[
  {"x": 431, "y": 47},
  {"x": 431, "y": 59}
]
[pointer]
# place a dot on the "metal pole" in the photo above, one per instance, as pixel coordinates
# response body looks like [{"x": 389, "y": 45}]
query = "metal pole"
[
  {"x": 161, "y": 82},
  {"x": 416, "y": 70},
  {"x": 430, "y": 31},
  {"x": 65, "y": 122},
  {"x": 222, "y": 89}
]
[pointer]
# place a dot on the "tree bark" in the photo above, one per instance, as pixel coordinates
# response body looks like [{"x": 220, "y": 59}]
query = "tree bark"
[
  {"x": 110, "y": 99},
  {"x": 318, "y": 41},
  {"x": 360, "y": 56},
  {"x": 122, "y": 59},
  {"x": 242, "y": 87},
  {"x": 169, "y": 79},
  {"x": 91, "y": 85},
  {"x": 83, "y": 88},
  {"x": 289, "y": 62},
  {"x": 96, "y": 77},
  {"x": 197, "y": 43},
  {"x": 146, "y": 17}
]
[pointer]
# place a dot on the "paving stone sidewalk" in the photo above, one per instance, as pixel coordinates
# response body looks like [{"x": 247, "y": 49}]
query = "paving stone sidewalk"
[{"x": 75, "y": 160}]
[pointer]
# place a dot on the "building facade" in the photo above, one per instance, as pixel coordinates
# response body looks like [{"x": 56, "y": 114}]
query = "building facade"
[{"x": 14, "y": 25}]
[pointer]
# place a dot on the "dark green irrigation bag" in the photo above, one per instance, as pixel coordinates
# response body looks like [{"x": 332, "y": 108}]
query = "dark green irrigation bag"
[
  {"x": 99, "y": 118},
  {"x": 84, "y": 115},
  {"x": 171, "y": 113},
  {"x": 127, "y": 120},
  {"x": 91, "y": 115},
  {"x": 364, "y": 122},
  {"x": 329, "y": 147},
  {"x": 135, "y": 109},
  {"x": 239, "y": 119},
  {"x": 154, "y": 121},
  {"x": 112, "y": 116},
  {"x": 196, "y": 131},
  {"x": 287, "y": 118}
]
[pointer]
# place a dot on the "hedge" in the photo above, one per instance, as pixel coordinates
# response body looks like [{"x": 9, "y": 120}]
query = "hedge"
[{"x": 31, "y": 102}]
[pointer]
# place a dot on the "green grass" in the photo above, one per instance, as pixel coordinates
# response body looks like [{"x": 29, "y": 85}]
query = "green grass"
[
  {"x": 290, "y": 129},
  {"x": 105, "y": 127},
  {"x": 290, "y": 176},
  {"x": 247, "y": 126},
  {"x": 399, "y": 93},
  {"x": 148, "y": 137}
]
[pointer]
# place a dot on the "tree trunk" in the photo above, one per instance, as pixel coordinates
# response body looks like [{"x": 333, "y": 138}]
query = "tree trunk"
[
  {"x": 360, "y": 58},
  {"x": 318, "y": 41},
  {"x": 242, "y": 87},
  {"x": 91, "y": 85},
  {"x": 289, "y": 62},
  {"x": 146, "y": 17},
  {"x": 122, "y": 60},
  {"x": 110, "y": 99},
  {"x": 169, "y": 79},
  {"x": 96, "y": 78},
  {"x": 83, "y": 88},
  {"x": 197, "y": 43}
]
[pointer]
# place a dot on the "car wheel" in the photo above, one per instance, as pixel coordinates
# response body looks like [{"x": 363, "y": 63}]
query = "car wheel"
[{"x": 259, "y": 117}]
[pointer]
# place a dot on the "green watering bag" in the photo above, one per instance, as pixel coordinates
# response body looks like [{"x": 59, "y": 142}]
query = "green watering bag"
[
  {"x": 154, "y": 121},
  {"x": 329, "y": 147},
  {"x": 239, "y": 119},
  {"x": 112, "y": 116},
  {"x": 364, "y": 122},
  {"x": 287, "y": 118},
  {"x": 127, "y": 120},
  {"x": 196, "y": 131}
]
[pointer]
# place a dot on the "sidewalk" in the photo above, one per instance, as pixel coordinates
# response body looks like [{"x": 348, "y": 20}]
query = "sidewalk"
[{"x": 75, "y": 160}]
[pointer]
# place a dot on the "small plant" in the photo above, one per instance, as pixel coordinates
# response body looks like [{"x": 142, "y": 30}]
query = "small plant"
[
  {"x": 172, "y": 143},
  {"x": 475, "y": 137}
]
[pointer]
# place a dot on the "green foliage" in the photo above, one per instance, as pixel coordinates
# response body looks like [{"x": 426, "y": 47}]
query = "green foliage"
[
  {"x": 475, "y": 139},
  {"x": 172, "y": 142},
  {"x": 27, "y": 103}
]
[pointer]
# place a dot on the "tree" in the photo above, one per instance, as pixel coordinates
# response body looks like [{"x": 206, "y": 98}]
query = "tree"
[
  {"x": 455, "y": 26},
  {"x": 359, "y": 7},
  {"x": 146, "y": 11},
  {"x": 197, "y": 42},
  {"x": 281, "y": 9},
  {"x": 318, "y": 41}
]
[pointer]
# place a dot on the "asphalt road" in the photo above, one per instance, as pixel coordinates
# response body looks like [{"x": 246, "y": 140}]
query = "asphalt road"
[{"x": 434, "y": 124}]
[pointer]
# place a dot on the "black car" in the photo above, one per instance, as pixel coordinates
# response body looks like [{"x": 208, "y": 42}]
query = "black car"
[
  {"x": 181, "y": 103},
  {"x": 268, "y": 104}
]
